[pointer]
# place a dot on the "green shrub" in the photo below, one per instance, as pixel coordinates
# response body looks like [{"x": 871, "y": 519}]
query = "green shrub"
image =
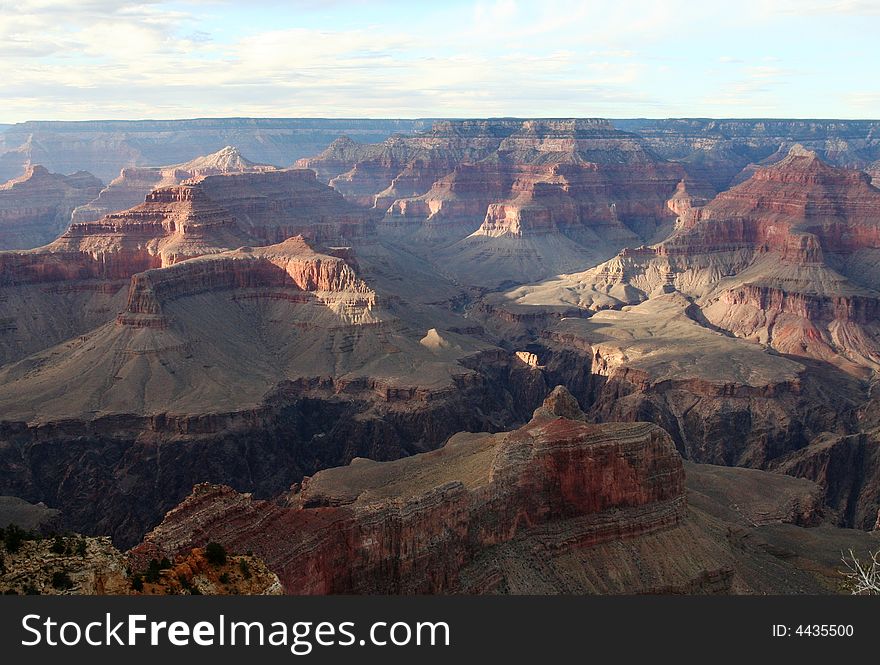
[
  {"x": 245, "y": 569},
  {"x": 137, "y": 583},
  {"x": 13, "y": 537},
  {"x": 215, "y": 553},
  {"x": 224, "y": 578},
  {"x": 152, "y": 575}
]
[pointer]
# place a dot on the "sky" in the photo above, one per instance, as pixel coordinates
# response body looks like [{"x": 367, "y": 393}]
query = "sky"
[{"x": 101, "y": 59}]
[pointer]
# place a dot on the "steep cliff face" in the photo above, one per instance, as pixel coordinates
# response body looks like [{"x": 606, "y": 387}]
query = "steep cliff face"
[
  {"x": 419, "y": 525},
  {"x": 718, "y": 149},
  {"x": 274, "y": 206},
  {"x": 784, "y": 258},
  {"x": 35, "y": 208},
  {"x": 556, "y": 506},
  {"x": 133, "y": 184},
  {"x": 847, "y": 467},
  {"x": 723, "y": 400}
]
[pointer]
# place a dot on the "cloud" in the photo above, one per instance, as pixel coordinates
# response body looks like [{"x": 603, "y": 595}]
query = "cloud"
[{"x": 155, "y": 58}]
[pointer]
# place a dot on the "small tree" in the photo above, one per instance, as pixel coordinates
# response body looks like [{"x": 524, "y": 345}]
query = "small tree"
[
  {"x": 215, "y": 553},
  {"x": 137, "y": 583},
  {"x": 13, "y": 537},
  {"x": 81, "y": 546},
  {"x": 862, "y": 578},
  {"x": 152, "y": 574},
  {"x": 245, "y": 569}
]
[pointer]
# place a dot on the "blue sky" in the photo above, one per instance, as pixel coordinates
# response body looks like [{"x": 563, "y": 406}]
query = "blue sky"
[{"x": 614, "y": 58}]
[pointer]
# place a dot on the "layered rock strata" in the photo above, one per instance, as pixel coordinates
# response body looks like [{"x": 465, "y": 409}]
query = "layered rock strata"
[
  {"x": 133, "y": 184},
  {"x": 36, "y": 207}
]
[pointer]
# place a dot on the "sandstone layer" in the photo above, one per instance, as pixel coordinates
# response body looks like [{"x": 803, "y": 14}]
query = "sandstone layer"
[
  {"x": 786, "y": 258},
  {"x": 35, "y": 208},
  {"x": 498, "y": 201},
  {"x": 556, "y": 506},
  {"x": 133, "y": 184}
]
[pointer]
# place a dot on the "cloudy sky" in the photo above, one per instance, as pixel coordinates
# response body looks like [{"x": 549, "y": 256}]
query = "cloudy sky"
[{"x": 88, "y": 59}]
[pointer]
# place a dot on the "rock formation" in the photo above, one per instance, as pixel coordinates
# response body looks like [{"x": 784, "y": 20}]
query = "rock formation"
[
  {"x": 419, "y": 525},
  {"x": 784, "y": 258},
  {"x": 105, "y": 147},
  {"x": 135, "y": 183},
  {"x": 558, "y": 505},
  {"x": 79, "y": 565},
  {"x": 716, "y": 150},
  {"x": 508, "y": 200},
  {"x": 78, "y": 282},
  {"x": 35, "y": 208}
]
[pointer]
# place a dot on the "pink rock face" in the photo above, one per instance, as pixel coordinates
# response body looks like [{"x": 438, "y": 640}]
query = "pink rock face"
[
  {"x": 585, "y": 174},
  {"x": 786, "y": 258},
  {"x": 135, "y": 183},
  {"x": 79, "y": 281},
  {"x": 36, "y": 207},
  {"x": 797, "y": 196},
  {"x": 291, "y": 264},
  {"x": 277, "y": 205},
  {"x": 411, "y": 526}
]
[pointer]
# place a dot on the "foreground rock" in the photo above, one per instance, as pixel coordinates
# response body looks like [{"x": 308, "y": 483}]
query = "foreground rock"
[
  {"x": 557, "y": 506},
  {"x": 421, "y": 524},
  {"x": 35, "y": 208},
  {"x": 78, "y": 565}
]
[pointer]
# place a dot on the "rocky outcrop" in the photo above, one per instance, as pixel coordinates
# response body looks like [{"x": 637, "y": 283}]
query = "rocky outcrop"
[
  {"x": 783, "y": 258},
  {"x": 723, "y": 400},
  {"x": 277, "y": 205},
  {"x": 847, "y": 467},
  {"x": 78, "y": 565},
  {"x": 35, "y": 208},
  {"x": 414, "y": 526},
  {"x": 135, "y": 183}
]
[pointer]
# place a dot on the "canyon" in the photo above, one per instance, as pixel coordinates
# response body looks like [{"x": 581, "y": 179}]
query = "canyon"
[
  {"x": 455, "y": 356},
  {"x": 557, "y": 506}
]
